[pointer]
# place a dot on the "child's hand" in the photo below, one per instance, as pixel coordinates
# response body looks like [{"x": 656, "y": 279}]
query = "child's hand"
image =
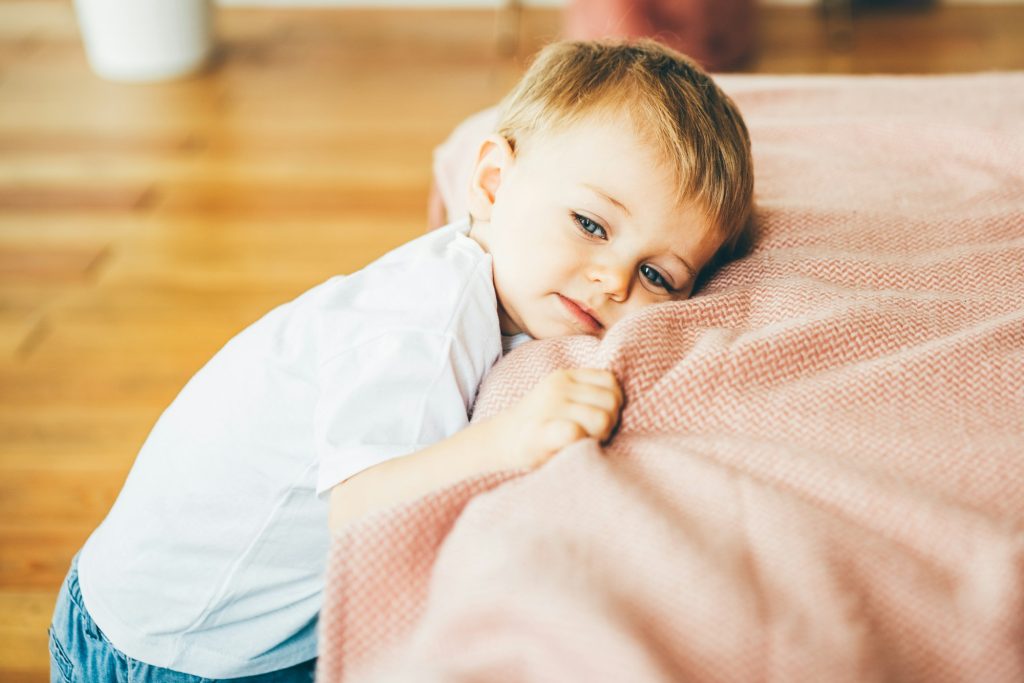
[{"x": 566, "y": 406}]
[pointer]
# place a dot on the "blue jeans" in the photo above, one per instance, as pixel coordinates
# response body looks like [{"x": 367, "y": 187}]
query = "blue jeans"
[{"x": 80, "y": 653}]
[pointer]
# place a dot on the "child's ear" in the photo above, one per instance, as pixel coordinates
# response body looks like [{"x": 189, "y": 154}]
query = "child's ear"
[{"x": 494, "y": 158}]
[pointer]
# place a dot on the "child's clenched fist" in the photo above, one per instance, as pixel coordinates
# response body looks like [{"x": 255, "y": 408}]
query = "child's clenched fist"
[{"x": 564, "y": 407}]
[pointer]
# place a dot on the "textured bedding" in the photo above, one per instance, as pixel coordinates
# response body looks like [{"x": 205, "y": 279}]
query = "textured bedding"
[{"x": 819, "y": 474}]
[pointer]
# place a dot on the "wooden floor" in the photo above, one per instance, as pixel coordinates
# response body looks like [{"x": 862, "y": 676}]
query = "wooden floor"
[{"x": 142, "y": 226}]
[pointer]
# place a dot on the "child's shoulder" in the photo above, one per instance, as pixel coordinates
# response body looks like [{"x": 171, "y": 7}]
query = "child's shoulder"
[
  {"x": 445, "y": 258},
  {"x": 438, "y": 283},
  {"x": 449, "y": 244}
]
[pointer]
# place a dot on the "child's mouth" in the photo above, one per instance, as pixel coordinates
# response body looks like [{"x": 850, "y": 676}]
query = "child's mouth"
[{"x": 589, "y": 322}]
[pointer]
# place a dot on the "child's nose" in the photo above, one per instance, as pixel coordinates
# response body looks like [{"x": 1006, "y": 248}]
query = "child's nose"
[{"x": 615, "y": 279}]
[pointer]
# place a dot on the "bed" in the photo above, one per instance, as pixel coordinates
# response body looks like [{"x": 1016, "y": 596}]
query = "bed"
[{"x": 819, "y": 474}]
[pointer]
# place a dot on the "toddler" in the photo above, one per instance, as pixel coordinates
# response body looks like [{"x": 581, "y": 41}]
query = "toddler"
[{"x": 618, "y": 174}]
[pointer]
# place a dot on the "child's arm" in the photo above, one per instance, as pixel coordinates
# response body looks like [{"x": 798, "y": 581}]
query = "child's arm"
[{"x": 564, "y": 407}]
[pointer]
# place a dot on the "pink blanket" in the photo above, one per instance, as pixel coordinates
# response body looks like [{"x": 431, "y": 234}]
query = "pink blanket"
[{"x": 819, "y": 474}]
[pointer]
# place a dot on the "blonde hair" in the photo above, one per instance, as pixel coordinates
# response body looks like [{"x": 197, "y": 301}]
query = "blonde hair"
[{"x": 673, "y": 104}]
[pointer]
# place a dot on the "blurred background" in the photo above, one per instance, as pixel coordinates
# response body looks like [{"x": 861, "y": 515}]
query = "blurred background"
[{"x": 170, "y": 170}]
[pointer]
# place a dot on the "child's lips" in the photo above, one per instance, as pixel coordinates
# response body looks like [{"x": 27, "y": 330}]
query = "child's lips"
[{"x": 582, "y": 314}]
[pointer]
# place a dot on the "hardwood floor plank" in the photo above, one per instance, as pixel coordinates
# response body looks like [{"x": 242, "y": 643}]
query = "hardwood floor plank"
[
  {"x": 49, "y": 264},
  {"x": 36, "y": 559},
  {"x": 24, "y": 617},
  {"x": 77, "y": 197},
  {"x": 27, "y": 145},
  {"x": 79, "y": 438},
  {"x": 38, "y": 499},
  {"x": 55, "y": 227}
]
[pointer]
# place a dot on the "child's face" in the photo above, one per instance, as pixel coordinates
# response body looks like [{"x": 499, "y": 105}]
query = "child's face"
[{"x": 584, "y": 218}]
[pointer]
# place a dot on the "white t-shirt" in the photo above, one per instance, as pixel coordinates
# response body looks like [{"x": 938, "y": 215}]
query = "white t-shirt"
[{"x": 211, "y": 560}]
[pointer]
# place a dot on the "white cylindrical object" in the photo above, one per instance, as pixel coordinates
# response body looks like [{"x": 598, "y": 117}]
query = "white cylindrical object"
[{"x": 146, "y": 40}]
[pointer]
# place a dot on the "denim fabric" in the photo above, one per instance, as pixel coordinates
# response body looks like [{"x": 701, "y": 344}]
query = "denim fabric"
[{"x": 80, "y": 653}]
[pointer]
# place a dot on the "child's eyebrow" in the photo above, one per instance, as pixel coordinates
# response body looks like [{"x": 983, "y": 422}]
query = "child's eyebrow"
[
  {"x": 693, "y": 273},
  {"x": 607, "y": 196}
]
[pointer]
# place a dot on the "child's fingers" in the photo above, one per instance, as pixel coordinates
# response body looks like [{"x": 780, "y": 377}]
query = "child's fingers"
[
  {"x": 595, "y": 377},
  {"x": 592, "y": 376},
  {"x": 605, "y": 398},
  {"x": 595, "y": 421}
]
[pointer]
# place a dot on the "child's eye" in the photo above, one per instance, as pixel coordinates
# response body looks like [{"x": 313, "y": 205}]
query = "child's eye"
[
  {"x": 588, "y": 226},
  {"x": 655, "y": 278}
]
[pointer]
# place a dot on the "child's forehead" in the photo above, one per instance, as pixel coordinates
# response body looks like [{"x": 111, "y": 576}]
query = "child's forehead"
[
  {"x": 598, "y": 147},
  {"x": 607, "y": 151}
]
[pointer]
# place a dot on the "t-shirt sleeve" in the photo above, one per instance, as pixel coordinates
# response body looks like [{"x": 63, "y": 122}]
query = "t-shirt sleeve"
[{"x": 388, "y": 397}]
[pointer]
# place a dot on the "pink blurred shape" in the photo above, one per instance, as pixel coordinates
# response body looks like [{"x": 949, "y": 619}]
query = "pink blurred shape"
[{"x": 719, "y": 34}]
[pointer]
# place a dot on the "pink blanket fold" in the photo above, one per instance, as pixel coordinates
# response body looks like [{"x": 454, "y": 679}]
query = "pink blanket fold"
[{"x": 819, "y": 475}]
